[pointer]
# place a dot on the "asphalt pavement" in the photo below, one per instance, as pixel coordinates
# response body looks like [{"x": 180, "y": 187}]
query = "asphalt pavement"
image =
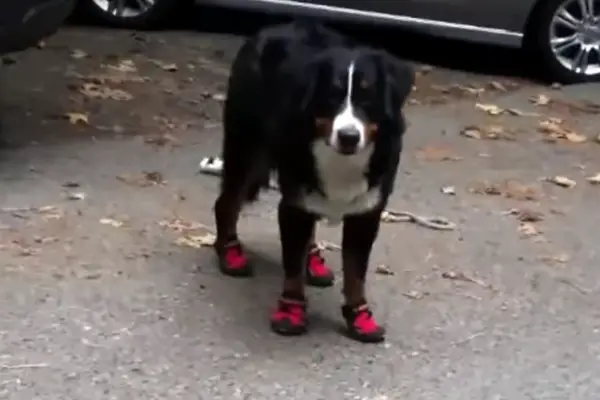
[{"x": 109, "y": 292}]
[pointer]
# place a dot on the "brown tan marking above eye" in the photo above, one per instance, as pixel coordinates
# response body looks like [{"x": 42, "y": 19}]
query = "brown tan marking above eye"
[
  {"x": 372, "y": 130},
  {"x": 364, "y": 84},
  {"x": 324, "y": 126}
]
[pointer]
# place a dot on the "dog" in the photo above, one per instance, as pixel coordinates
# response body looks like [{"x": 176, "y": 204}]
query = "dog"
[{"x": 324, "y": 114}]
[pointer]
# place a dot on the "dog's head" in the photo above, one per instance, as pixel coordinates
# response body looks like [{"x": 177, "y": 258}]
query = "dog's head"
[{"x": 351, "y": 94}]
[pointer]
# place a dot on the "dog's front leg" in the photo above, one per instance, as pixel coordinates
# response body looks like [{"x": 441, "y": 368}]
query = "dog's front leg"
[
  {"x": 359, "y": 234},
  {"x": 295, "y": 228}
]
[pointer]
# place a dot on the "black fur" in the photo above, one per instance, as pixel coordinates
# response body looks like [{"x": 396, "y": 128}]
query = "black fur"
[{"x": 281, "y": 81}]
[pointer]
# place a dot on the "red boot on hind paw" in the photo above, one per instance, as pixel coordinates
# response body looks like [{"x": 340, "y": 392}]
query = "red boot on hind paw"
[
  {"x": 233, "y": 261},
  {"x": 361, "y": 324},
  {"x": 289, "y": 318},
  {"x": 318, "y": 273}
]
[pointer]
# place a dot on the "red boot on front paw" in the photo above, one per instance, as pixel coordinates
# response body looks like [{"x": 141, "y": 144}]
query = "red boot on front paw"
[
  {"x": 289, "y": 319},
  {"x": 233, "y": 260},
  {"x": 361, "y": 324},
  {"x": 318, "y": 273}
]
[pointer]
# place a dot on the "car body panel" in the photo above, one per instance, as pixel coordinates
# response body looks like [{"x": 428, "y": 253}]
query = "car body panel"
[
  {"x": 499, "y": 22},
  {"x": 23, "y": 23}
]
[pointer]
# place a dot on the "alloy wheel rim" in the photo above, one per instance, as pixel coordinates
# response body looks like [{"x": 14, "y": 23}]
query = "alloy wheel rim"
[
  {"x": 125, "y": 8},
  {"x": 575, "y": 36}
]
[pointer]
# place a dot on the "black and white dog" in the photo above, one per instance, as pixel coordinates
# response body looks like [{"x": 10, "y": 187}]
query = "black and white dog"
[{"x": 326, "y": 116}]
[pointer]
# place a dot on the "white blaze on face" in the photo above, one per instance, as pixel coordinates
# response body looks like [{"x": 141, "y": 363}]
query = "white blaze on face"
[{"x": 346, "y": 118}]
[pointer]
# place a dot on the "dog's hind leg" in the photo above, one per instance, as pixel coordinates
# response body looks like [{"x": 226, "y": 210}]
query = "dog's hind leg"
[{"x": 243, "y": 168}]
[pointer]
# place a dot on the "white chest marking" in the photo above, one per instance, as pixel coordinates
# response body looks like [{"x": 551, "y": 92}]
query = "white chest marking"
[{"x": 343, "y": 182}]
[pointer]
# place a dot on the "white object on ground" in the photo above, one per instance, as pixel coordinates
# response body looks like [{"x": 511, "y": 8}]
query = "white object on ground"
[{"x": 210, "y": 166}]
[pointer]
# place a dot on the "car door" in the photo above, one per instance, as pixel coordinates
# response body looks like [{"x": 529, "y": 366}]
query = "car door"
[{"x": 500, "y": 14}]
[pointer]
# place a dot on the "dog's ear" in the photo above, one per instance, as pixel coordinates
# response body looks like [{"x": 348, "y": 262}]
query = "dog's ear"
[
  {"x": 398, "y": 80},
  {"x": 308, "y": 84}
]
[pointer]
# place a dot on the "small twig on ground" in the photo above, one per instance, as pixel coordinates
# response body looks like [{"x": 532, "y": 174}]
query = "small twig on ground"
[
  {"x": 467, "y": 339},
  {"x": 575, "y": 286},
  {"x": 23, "y": 366}
]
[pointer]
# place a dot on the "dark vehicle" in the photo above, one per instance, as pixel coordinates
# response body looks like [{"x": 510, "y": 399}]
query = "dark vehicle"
[
  {"x": 23, "y": 23},
  {"x": 562, "y": 36}
]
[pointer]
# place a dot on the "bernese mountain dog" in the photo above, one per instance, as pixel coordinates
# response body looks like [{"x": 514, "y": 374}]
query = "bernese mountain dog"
[{"x": 325, "y": 115}]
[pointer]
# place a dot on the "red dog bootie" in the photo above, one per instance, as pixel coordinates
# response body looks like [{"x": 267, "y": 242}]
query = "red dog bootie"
[
  {"x": 361, "y": 324},
  {"x": 318, "y": 273},
  {"x": 289, "y": 318},
  {"x": 233, "y": 260}
]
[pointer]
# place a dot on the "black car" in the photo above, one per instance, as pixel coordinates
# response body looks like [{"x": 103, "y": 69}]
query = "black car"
[
  {"x": 561, "y": 36},
  {"x": 23, "y": 23}
]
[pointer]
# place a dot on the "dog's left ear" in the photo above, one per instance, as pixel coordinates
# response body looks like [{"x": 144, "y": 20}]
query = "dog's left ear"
[{"x": 399, "y": 78}]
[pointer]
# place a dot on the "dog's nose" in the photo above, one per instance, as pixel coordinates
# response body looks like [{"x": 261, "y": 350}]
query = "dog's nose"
[{"x": 348, "y": 139}]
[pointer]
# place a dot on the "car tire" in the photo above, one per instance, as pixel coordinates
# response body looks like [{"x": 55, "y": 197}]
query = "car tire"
[
  {"x": 154, "y": 17},
  {"x": 555, "y": 62}
]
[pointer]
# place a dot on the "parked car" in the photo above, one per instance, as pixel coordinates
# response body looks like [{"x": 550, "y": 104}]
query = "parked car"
[
  {"x": 23, "y": 23},
  {"x": 562, "y": 36}
]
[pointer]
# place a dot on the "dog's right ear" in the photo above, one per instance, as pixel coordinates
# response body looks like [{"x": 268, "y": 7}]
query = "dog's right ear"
[
  {"x": 399, "y": 79},
  {"x": 308, "y": 84}
]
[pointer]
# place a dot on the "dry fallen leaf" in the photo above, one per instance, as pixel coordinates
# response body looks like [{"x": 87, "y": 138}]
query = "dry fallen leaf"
[
  {"x": 112, "y": 222},
  {"x": 75, "y": 196},
  {"x": 125, "y": 66},
  {"x": 383, "y": 269},
  {"x": 449, "y": 190},
  {"x": 492, "y": 132},
  {"x": 437, "y": 154},
  {"x": 78, "y": 54},
  {"x": 162, "y": 140},
  {"x": 415, "y": 294},
  {"x": 540, "y": 100},
  {"x": 145, "y": 179},
  {"x": 490, "y": 109},
  {"x": 594, "y": 179},
  {"x": 520, "y": 113},
  {"x": 497, "y": 86},
  {"x": 525, "y": 215},
  {"x": 461, "y": 276},
  {"x": 510, "y": 188},
  {"x": 179, "y": 225},
  {"x": 71, "y": 184},
  {"x": 219, "y": 97},
  {"x": 77, "y": 118},
  {"x": 99, "y": 91},
  {"x": 575, "y": 137},
  {"x": 562, "y": 181},
  {"x": 472, "y": 132},
  {"x": 170, "y": 67},
  {"x": 196, "y": 241},
  {"x": 527, "y": 229},
  {"x": 324, "y": 245},
  {"x": 561, "y": 258},
  {"x": 555, "y": 129}
]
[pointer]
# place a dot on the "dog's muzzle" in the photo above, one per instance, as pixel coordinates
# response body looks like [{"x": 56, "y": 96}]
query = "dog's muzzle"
[{"x": 348, "y": 140}]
